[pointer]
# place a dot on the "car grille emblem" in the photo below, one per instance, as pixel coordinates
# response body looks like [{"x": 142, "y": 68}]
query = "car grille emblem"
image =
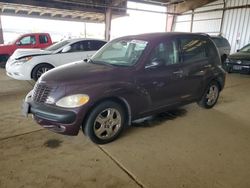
[{"x": 238, "y": 62}]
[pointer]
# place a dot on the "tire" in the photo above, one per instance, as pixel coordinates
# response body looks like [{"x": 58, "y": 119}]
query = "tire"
[
  {"x": 39, "y": 70},
  {"x": 101, "y": 126},
  {"x": 210, "y": 96},
  {"x": 3, "y": 60}
]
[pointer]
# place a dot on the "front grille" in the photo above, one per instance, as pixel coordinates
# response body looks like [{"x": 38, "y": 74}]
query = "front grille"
[{"x": 40, "y": 93}]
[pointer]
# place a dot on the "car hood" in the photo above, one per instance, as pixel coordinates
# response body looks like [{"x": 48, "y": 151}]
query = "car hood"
[
  {"x": 19, "y": 53},
  {"x": 81, "y": 72},
  {"x": 240, "y": 56}
]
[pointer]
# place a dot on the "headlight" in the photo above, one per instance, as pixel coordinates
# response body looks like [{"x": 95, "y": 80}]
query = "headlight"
[
  {"x": 73, "y": 101},
  {"x": 22, "y": 60}
]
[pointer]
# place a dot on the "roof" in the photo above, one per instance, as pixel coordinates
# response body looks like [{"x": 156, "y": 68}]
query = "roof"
[{"x": 153, "y": 36}]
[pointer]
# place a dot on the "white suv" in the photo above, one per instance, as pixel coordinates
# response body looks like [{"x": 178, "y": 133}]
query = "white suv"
[{"x": 27, "y": 64}]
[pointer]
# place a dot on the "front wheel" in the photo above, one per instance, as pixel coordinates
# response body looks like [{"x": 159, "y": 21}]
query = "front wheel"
[
  {"x": 211, "y": 95},
  {"x": 39, "y": 70},
  {"x": 105, "y": 123}
]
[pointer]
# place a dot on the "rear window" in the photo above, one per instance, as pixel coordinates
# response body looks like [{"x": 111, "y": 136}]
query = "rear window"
[
  {"x": 220, "y": 42},
  {"x": 193, "y": 49}
]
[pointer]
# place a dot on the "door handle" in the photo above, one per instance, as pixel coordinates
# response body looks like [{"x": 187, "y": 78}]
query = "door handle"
[{"x": 178, "y": 72}]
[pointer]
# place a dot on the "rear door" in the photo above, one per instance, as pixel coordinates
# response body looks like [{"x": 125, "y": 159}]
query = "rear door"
[{"x": 195, "y": 65}]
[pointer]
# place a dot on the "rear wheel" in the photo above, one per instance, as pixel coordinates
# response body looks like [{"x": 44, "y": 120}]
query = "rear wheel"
[
  {"x": 211, "y": 95},
  {"x": 39, "y": 70},
  {"x": 105, "y": 123},
  {"x": 3, "y": 60}
]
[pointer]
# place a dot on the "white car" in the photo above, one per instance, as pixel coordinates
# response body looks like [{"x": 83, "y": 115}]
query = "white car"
[{"x": 28, "y": 64}]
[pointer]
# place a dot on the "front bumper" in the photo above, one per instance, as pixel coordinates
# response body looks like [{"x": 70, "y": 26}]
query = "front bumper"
[
  {"x": 18, "y": 72},
  {"x": 56, "y": 119}
]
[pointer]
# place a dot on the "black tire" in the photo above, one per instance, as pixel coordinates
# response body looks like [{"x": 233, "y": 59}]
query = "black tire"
[
  {"x": 3, "y": 60},
  {"x": 39, "y": 70},
  {"x": 207, "y": 103},
  {"x": 98, "y": 132}
]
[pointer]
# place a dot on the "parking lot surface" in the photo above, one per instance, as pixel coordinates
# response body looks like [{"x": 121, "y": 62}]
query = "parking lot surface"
[{"x": 186, "y": 147}]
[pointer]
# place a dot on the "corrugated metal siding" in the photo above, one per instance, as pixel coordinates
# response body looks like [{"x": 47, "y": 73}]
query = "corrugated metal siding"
[
  {"x": 208, "y": 22},
  {"x": 235, "y": 27},
  {"x": 232, "y": 3},
  {"x": 182, "y": 23}
]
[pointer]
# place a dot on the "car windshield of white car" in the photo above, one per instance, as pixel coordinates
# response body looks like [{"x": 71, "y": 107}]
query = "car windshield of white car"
[{"x": 57, "y": 45}]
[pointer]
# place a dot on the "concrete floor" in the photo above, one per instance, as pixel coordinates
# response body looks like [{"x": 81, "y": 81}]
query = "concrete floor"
[{"x": 187, "y": 147}]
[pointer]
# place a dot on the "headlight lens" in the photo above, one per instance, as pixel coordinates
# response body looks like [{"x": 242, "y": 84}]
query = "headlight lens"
[
  {"x": 73, "y": 101},
  {"x": 23, "y": 60}
]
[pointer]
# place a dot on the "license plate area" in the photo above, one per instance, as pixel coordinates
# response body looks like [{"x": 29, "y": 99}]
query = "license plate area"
[{"x": 237, "y": 67}]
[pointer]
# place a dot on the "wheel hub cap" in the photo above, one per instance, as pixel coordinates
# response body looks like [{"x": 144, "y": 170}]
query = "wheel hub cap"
[{"x": 107, "y": 123}]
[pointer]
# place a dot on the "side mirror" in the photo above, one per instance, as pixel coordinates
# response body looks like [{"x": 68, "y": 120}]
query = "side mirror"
[
  {"x": 66, "y": 49},
  {"x": 238, "y": 50},
  {"x": 18, "y": 43},
  {"x": 155, "y": 63}
]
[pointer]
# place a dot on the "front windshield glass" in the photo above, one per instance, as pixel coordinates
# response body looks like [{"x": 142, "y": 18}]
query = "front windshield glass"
[
  {"x": 125, "y": 52},
  {"x": 57, "y": 45},
  {"x": 246, "y": 49}
]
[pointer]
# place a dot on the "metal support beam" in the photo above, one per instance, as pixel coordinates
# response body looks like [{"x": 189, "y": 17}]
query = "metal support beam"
[
  {"x": 170, "y": 23},
  {"x": 222, "y": 18},
  {"x": 1, "y": 31},
  {"x": 191, "y": 4},
  {"x": 108, "y": 18},
  {"x": 170, "y": 19},
  {"x": 192, "y": 21}
]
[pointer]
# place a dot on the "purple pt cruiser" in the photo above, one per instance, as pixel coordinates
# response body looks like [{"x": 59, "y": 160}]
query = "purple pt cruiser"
[{"x": 129, "y": 78}]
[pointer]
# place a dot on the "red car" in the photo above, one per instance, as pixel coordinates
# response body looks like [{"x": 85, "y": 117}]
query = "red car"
[{"x": 31, "y": 40}]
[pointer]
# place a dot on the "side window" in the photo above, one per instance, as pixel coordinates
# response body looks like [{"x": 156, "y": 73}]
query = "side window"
[
  {"x": 96, "y": 45},
  {"x": 165, "y": 53},
  {"x": 79, "y": 46},
  {"x": 193, "y": 49},
  {"x": 28, "y": 40},
  {"x": 43, "y": 39}
]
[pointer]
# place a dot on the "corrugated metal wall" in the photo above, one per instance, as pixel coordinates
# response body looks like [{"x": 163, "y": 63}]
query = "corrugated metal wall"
[
  {"x": 207, "y": 19},
  {"x": 236, "y": 25}
]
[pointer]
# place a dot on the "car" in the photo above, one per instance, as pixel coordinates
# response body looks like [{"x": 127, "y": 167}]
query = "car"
[
  {"x": 29, "y": 40},
  {"x": 129, "y": 78},
  {"x": 223, "y": 46},
  {"x": 28, "y": 64},
  {"x": 239, "y": 62}
]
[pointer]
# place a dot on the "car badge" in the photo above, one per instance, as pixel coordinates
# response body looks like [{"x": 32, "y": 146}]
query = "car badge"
[{"x": 238, "y": 62}]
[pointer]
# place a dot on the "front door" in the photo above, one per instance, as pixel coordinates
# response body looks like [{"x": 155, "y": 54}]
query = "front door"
[{"x": 162, "y": 77}]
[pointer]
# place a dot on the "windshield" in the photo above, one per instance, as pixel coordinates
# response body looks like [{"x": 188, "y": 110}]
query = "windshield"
[
  {"x": 246, "y": 49},
  {"x": 57, "y": 45},
  {"x": 125, "y": 52}
]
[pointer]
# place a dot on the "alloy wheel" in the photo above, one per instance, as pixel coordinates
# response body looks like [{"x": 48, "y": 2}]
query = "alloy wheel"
[{"x": 107, "y": 123}]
